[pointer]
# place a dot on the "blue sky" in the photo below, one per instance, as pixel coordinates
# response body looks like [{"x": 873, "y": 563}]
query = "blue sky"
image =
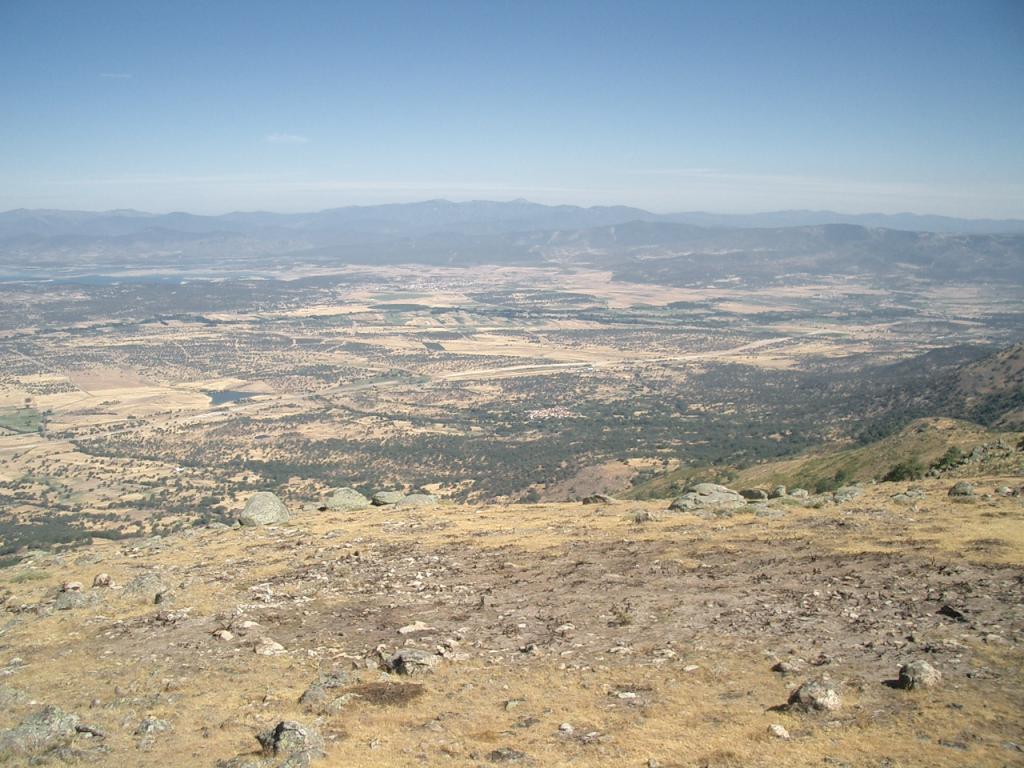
[{"x": 725, "y": 106}]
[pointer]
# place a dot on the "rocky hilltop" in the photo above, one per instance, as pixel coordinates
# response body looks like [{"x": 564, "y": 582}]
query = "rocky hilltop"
[{"x": 878, "y": 624}]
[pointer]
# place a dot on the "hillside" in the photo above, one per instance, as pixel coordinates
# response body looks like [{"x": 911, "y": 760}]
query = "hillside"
[
  {"x": 920, "y": 445},
  {"x": 612, "y": 634}
]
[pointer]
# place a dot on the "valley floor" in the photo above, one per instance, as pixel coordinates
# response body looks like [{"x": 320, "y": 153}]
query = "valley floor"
[{"x": 559, "y": 634}]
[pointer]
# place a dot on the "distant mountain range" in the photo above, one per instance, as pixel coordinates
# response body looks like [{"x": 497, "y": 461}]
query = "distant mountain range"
[
  {"x": 635, "y": 245},
  {"x": 443, "y": 216}
]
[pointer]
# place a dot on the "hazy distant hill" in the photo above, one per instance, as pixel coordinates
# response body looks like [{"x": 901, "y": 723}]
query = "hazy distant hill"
[
  {"x": 636, "y": 245},
  {"x": 475, "y": 217},
  {"x": 908, "y": 221}
]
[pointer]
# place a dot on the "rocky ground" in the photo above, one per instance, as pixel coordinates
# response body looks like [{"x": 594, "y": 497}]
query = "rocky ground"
[{"x": 880, "y": 626}]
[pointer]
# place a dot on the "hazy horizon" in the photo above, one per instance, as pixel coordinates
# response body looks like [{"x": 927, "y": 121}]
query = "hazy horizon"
[{"x": 467, "y": 201}]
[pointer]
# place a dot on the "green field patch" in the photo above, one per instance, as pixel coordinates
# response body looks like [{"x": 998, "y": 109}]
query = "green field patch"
[{"x": 20, "y": 420}]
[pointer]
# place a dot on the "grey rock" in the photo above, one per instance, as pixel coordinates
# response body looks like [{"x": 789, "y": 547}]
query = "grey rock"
[
  {"x": 777, "y": 492},
  {"x": 151, "y": 726},
  {"x": 709, "y": 498},
  {"x": 384, "y": 498},
  {"x": 45, "y": 731},
  {"x": 799, "y": 493},
  {"x": 319, "y": 697},
  {"x": 918, "y": 674},
  {"x": 962, "y": 489},
  {"x": 264, "y": 508},
  {"x": 347, "y": 500},
  {"x": 67, "y": 601},
  {"x": 417, "y": 500},
  {"x": 754, "y": 494},
  {"x": 289, "y": 738},
  {"x": 412, "y": 661},
  {"x": 847, "y": 493},
  {"x": 597, "y": 498},
  {"x": 816, "y": 696},
  {"x": 641, "y": 516},
  {"x": 146, "y": 586}
]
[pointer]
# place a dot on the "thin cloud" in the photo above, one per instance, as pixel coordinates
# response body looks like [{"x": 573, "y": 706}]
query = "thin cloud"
[
  {"x": 115, "y": 76},
  {"x": 285, "y": 138}
]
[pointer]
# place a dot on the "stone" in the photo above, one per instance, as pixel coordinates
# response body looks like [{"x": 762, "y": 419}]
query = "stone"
[
  {"x": 709, "y": 498},
  {"x": 68, "y": 600},
  {"x": 291, "y": 739},
  {"x": 45, "y": 731},
  {"x": 597, "y": 498},
  {"x": 790, "y": 666},
  {"x": 918, "y": 674},
  {"x": 264, "y": 508},
  {"x": 816, "y": 696},
  {"x": 102, "y": 580},
  {"x": 268, "y": 647},
  {"x": 347, "y": 500},
  {"x": 961, "y": 489},
  {"x": 385, "y": 498},
  {"x": 417, "y": 500},
  {"x": 847, "y": 493},
  {"x": 319, "y": 697},
  {"x": 754, "y": 494},
  {"x": 416, "y": 626},
  {"x": 799, "y": 493},
  {"x": 777, "y": 492},
  {"x": 412, "y": 661},
  {"x": 642, "y": 516},
  {"x": 151, "y": 726},
  {"x": 224, "y": 635},
  {"x": 145, "y": 586},
  {"x": 71, "y": 586},
  {"x": 566, "y": 728},
  {"x": 778, "y": 731}
]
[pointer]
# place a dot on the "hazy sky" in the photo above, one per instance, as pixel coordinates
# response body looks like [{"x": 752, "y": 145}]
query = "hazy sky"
[{"x": 724, "y": 106}]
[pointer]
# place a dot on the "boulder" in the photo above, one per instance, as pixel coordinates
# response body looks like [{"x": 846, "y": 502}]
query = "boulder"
[
  {"x": 754, "y": 494},
  {"x": 961, "y": 490},
  {"x": 417, "y": 500},
  {"x": 264, "y": 508},
  {"x": 411, "y": 661},
  {"x": 918, "y": 674},
  {"x": 847, "y": 493},
  {"x": 597, "y": 498},
  {"x": 815, "y": 696},
  {"x": 296, "y": 742},
  {"x": 777, "y": 492},
  {"x": 45, "y": 731},
  {"x": 708, "y": 498},
  {"x": 799, "y": 493},
  {"x": 347, "y": 500},
  {"x": 384, "y": 498}
]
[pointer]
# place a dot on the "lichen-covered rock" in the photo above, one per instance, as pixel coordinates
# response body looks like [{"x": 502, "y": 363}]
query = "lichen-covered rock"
[
  {"x": 412, "y": 661},
  {"x": 417, "y": 500},
  {"x": 961, "y": 490},
  {"x": 708, "y": 497},
  {"x": 289, "y": 738},
  {"x": 919, "y": 674},
  {"x": 385, "y": 498},
  {"x": 816, "y": 696},
  {"x": 45, "y": 731},
  {"x": 347, "y": 500},
  {"x": 264, "y": 508}
]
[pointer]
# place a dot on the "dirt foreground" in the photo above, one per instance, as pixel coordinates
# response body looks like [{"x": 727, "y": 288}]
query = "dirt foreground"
[{"x": 554, "y": 635}]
